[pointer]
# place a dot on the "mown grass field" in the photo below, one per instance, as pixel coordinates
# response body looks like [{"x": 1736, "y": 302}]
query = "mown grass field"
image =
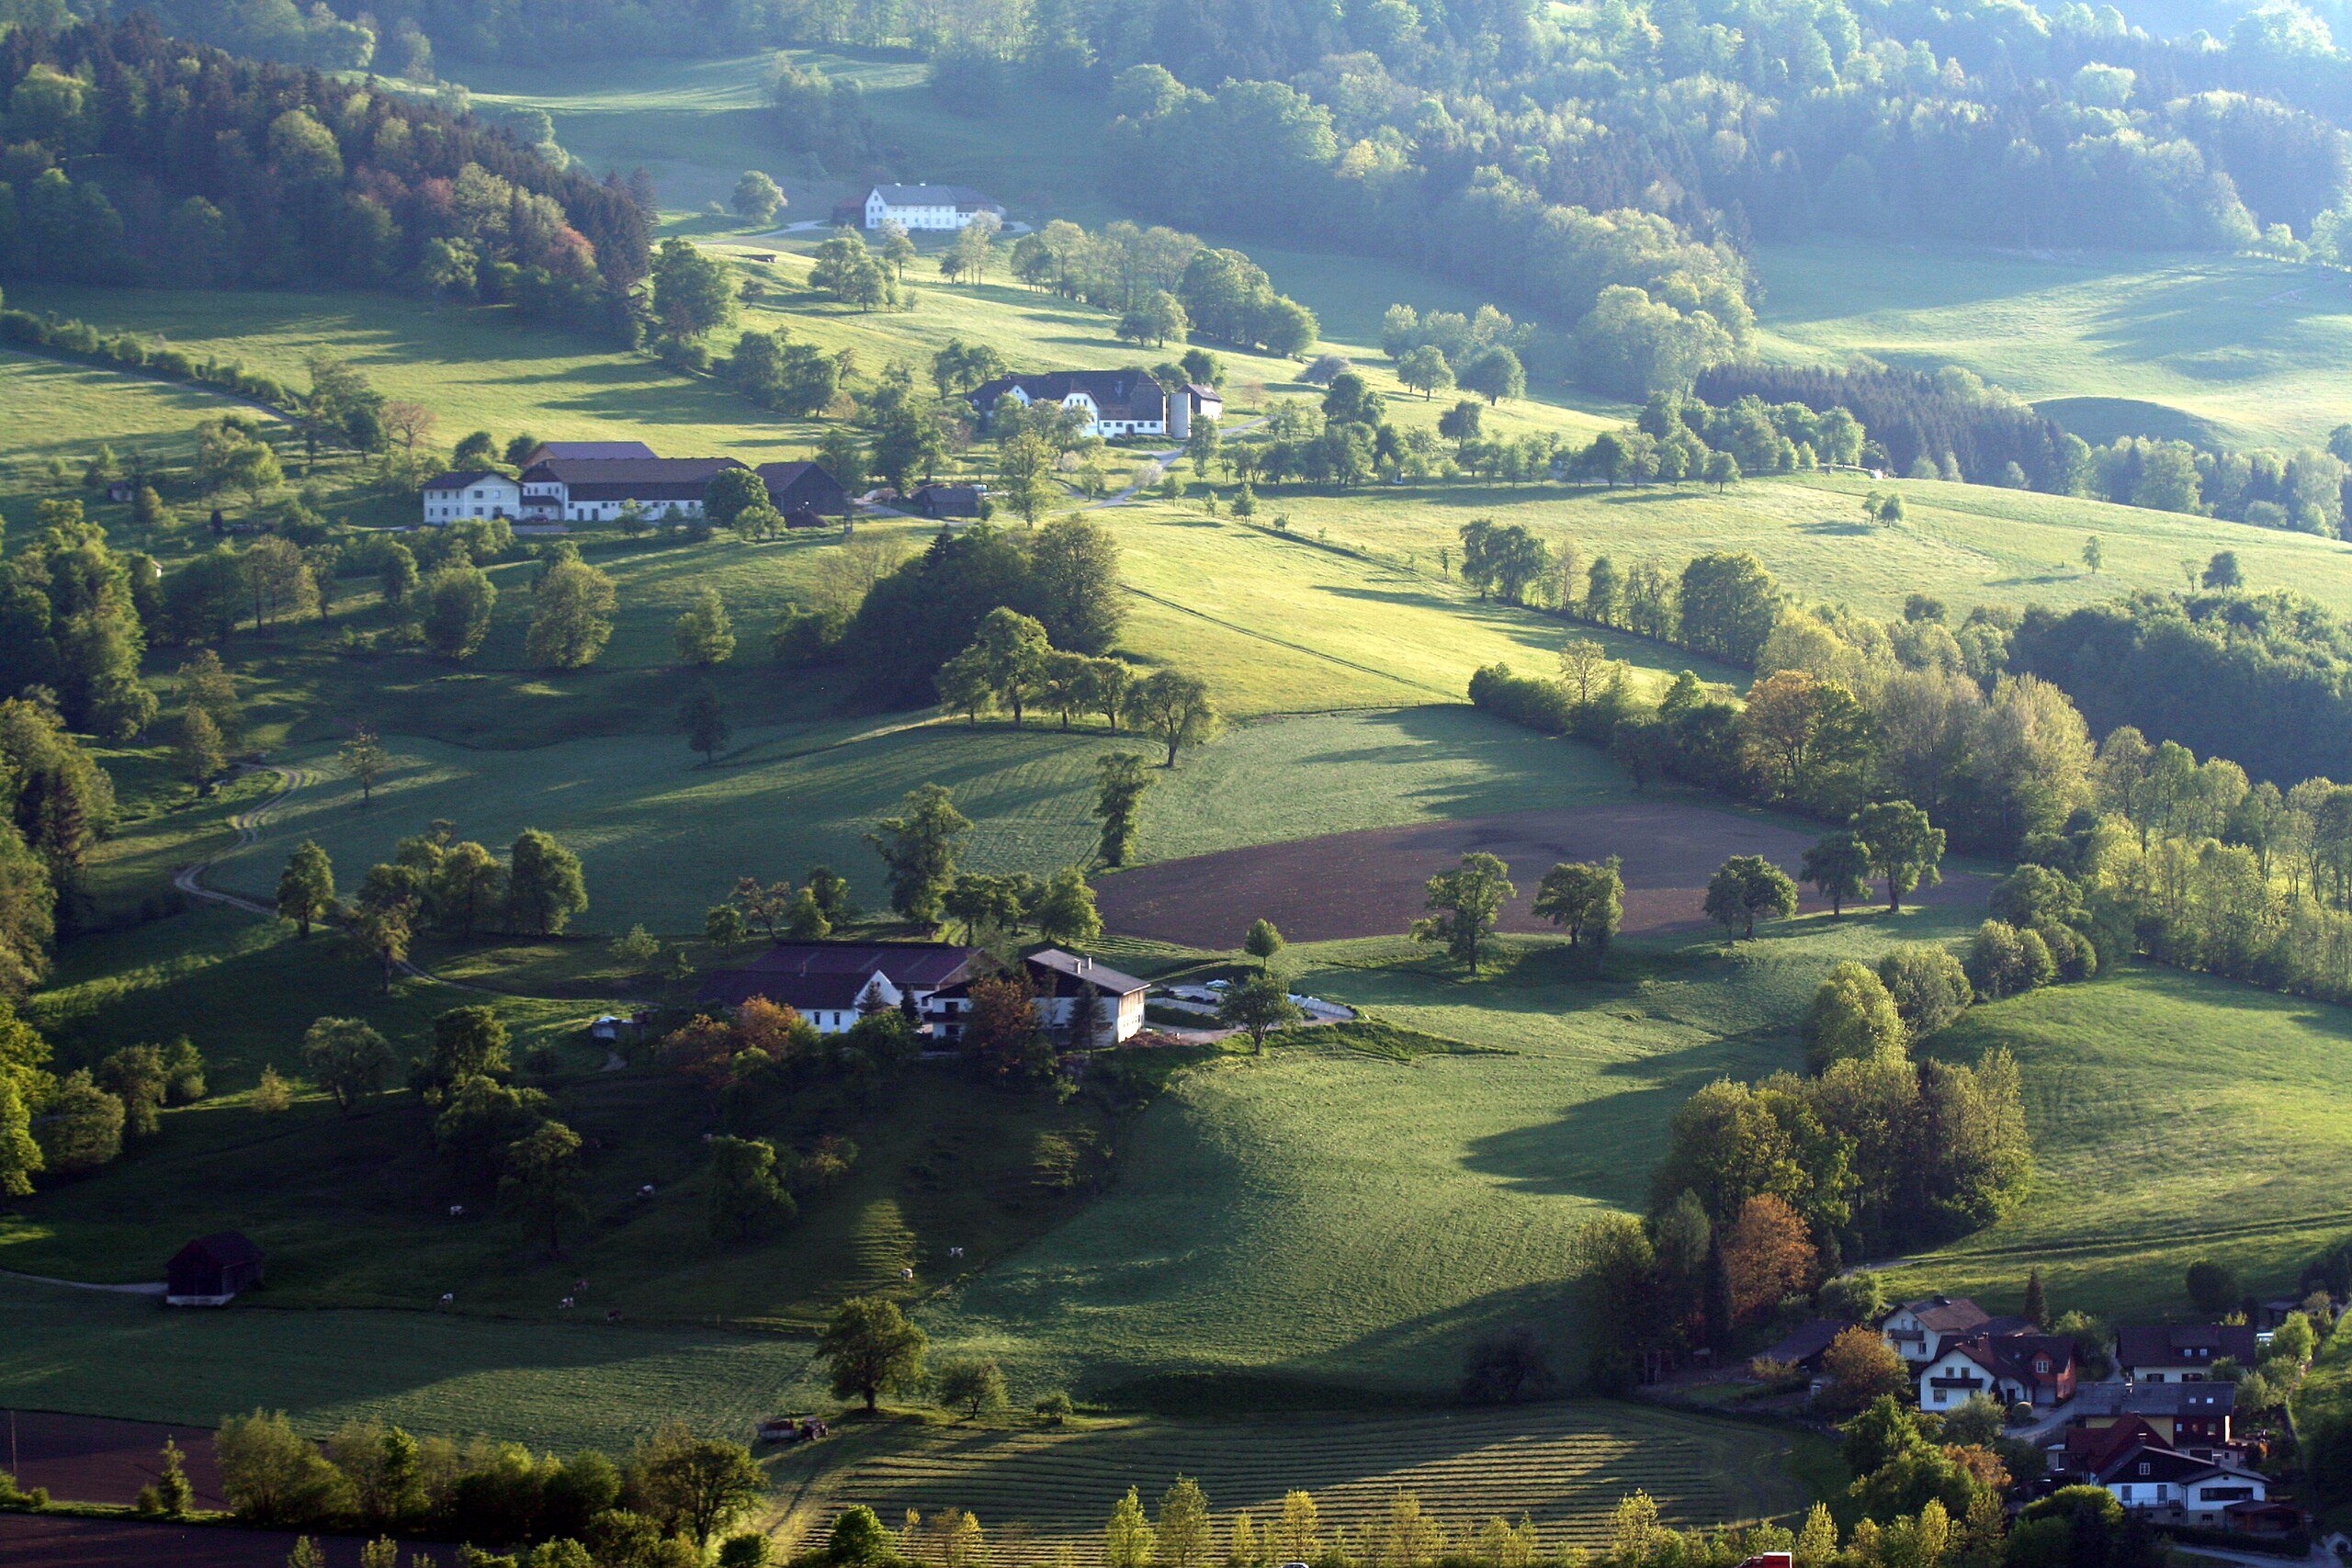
[
  {"x": 66, "y": 411},
  {"x": 1967, "y": 544},
  {"x": 2234, "y": 350},
  {"x": 1325, "y": 1218},
  {"x": 560, "y": 1386},
  {"x": 1041, "y": 1491},
  {"x": 662, "y": 837},
  {"x": 2175, "y": 1117}
]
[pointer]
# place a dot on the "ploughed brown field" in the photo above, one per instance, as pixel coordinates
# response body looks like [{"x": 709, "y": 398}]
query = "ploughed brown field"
[
  {"x": 54, "y": 1540},
  {"x": 1371, "y": 883},
  {"x": 95, "y": 1459}
]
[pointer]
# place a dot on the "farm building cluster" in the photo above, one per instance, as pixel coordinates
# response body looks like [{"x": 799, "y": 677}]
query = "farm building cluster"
[
  {"x": 926, "y": 207},
  {"x": 833, "y": 984},
  {"x": 2157, "y": 1429},
  {"x": 1108, "y": 402},
  {"x": 599, "y": 482}
]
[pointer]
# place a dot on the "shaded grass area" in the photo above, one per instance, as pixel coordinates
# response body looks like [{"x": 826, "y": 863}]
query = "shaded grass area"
[
  {"x": 2175, "y": 1117},
  {"x": 1330, "y": 1217},
  {"x": 663, "y": 838},
  {"x": 2239, "y": 348}
]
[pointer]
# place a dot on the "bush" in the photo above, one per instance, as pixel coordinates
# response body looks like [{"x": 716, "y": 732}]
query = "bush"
[
  {"x": 1930, "y": 987},
  {"x": 2213, "y": 1287},
  {"x": 1507, "y": 1367},
  {"x": 1052, "y": 1407},
  {"x": 2004, "y": 960},
  {"x": 1852, "y": 1018},
  {"x": 1856, "y": 1297},
  {"x": 13, "y": 1497}
]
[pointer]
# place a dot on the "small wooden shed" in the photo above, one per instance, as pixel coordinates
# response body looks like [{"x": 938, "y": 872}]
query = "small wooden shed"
[{"x": 211, "y": 1269}]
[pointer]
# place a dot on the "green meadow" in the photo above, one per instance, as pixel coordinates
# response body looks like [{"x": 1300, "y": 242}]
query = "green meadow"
[
  {"x": 2175, "y": 1117},
  {"x": 2238, "y": 351},
  {"x": 663, "y": 838}
]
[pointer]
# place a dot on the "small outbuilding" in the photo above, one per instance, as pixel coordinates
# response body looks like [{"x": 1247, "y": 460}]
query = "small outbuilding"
[
  {"x": 948, "y": 501},
  {"x": 211, "y": 1270}
]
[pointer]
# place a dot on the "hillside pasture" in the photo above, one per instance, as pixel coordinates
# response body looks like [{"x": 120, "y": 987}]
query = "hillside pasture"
[
  {"x": 65, "y": 411},
  {"x": 1965, "y": 544},
  {"x": 2238, "y": 350},
  {"x": 1319, "y": 1218},
  {"x": 661, "y": 836},
  {"x": 2175, "y": 1117},
  {"x": 1371, "y": 883},
  {"x": 1564, "y": 1466}
]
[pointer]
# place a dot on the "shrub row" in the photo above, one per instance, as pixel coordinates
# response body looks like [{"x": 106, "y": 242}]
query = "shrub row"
[{"x": 78, "y": 339}]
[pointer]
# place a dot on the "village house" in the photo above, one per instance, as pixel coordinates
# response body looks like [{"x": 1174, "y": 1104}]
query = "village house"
[
  {"x": 2035, "y": 1369},
  {"x": 2181, "y": 1352},
  {"x": 597, "y": 490},
  {"x": 833, "y": 984},
  {"x": 1921, "y": 1331},
  {"x": 927, "y": 207},
  {"x": 470, "y": 492},
  {"x": 2181, "y": 1413},
  {"x": 2173, "y": 1488},
  {"x": 1064, "y": 983},
  {"x": 1114, "y": 402}
]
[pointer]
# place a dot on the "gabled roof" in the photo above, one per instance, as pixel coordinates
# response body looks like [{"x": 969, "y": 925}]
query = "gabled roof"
[
  {"x": 2185, "y": 1344},
  {"x": 1806, "y": 1342},
  {"x": 1203, "y": 394},
  {"x": 1947, "y": 1314},
  {"x": 934, "y": 196},
  {"x": 460, "y": 479},
  {"x": 2151, "y": 1461},
  {"x": 2012, "y": 1356},
  {"x": 1116, "y": 394},
  {"x": 629, "y": 479},
  {"x": 223, "y": 1249},
  {"x": 2090, "y": 1448},
  {"x": 604, "y": 450},
  {"x": 807, "y": 975},
  {"x": 1085, "y": 971},
  {"x": 2156, "y": 1399},
  {"x": 780, "y": 476}
]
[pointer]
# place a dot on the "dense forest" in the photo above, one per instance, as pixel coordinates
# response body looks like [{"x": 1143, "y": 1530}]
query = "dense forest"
[{"x": 131, "y": 155}]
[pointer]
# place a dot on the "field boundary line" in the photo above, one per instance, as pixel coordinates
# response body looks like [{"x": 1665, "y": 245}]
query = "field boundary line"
[{"x": 1282, "y": 642}]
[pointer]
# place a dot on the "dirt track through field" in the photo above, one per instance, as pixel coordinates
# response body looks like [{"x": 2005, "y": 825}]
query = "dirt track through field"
[{"x": 1371, "y": 883}]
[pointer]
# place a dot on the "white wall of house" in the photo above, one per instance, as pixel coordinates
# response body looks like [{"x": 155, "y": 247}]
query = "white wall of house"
[
  {"x": 1950, "y": 1378},
  {"x": 491, "y": 497},
  {"x": 912, "y": 215},
  {"x": 1124, "y": 1014}
]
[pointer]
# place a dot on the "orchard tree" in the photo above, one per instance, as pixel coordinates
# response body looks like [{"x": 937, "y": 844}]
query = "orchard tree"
[
  {"x": 868, "y": 1347},
  {"x": 1747, "y": 888},
  {"x": 757, "y": 197},
  {"x": 347, "y": 1058},
  {"x": 364, "y": 761},
  {"x": 572, "y": 617},
  {"x": 919, "y": 847},
  {"x": 1494, "y": 373},
  {"x": 1839, "y": 868},
  {"x": 1425, "y": 371},
  {"x": 1174, "y": 707},
  {"x": 1464, "y": 903},
  {"x": 1901, "y": 846},
  {"x": 306, "y": 887}
]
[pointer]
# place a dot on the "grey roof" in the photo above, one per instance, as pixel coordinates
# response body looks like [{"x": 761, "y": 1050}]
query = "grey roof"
[
  {"x": 601, "y": 449},
  {"x": 629, "y": 479},
  {"x": 460, "y": 479},
  {"x": 1808, "y": 1342},
  {"x": 1117, "y": 394},
  {"x": 935, "y": 196},
  {"x": 223, "y": 1249},
  {"x": 2185, "y": 1344},
  {"x": 1085, "y": 970},
  {"x": 2155, "y": 1399},
  {"x": 806, "y": 974}
]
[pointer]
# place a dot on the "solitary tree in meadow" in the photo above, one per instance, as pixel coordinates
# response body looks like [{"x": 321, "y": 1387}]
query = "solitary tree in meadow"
[
  {"x": 1902, "y": 845},
  {"x": 1263, "y": 942},
  {"x": 1463, "y": 905},
  {"x": 364, "y": 761},
  {"x": 703, "y": 719},
  {"x": 1587, "y": 899},
  {"x": 306, "y": 887},
  {"x": 1258, "y": 1005},
  {"x": 757, "y": 198},
  {"x": 1174, "y": 707},
  {"x": 1118, "y": 801},
  {"x": 347, "y": 1058},
  {"x": 868, "y": 1347},
  {"x": 1747, "y": 888},
  {"x": 705, "y": 634},
  {"x": 919, "y": 847},
  {"x": 1839, "y": 868}
]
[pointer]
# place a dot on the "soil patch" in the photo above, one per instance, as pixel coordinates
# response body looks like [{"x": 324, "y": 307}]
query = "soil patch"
[
  {"x": 95, "y": 1459},
  {"x": 1371, "y": 883},
  {"x": 57, "y": 1540}
]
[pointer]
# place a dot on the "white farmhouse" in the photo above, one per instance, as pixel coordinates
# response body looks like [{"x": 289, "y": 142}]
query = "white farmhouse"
[
  {"x": 471, "y": 492},
  {"x": 927, "y": 207},
  {"x": 1110, "y": 403}
]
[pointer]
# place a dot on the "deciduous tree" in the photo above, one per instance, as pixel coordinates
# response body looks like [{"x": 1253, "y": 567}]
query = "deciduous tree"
[
  {"x": 347, "y": 1058},
  {"x": 868, "y": 1347},
  {"x": 919, "y": 847},
  {"x": 1174, "y": 707},
  {"x": 1902, "y": 845},
  {"x": 572, "y": 617},
  {"x": 1463, "y": 905}
]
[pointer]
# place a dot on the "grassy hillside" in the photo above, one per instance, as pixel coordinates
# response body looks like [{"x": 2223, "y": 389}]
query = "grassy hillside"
[
  {"x": 66, "y": 411},
  {"x": 1969, "y": 544},
  {"x": 2175, "y": 1117},
  {"x": 1331, "y": 1218},
  {"x": 664, "y": 837},
  {"x": 2236, "y": 350}
]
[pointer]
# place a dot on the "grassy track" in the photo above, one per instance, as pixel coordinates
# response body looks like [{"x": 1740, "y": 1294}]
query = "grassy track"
[
  {"x": 1563, "y": 1465},
  {"x": 663, "y": 838},
  {"x": 2238, "y": 350},
  {"x": 2175, "y": 1118}
]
